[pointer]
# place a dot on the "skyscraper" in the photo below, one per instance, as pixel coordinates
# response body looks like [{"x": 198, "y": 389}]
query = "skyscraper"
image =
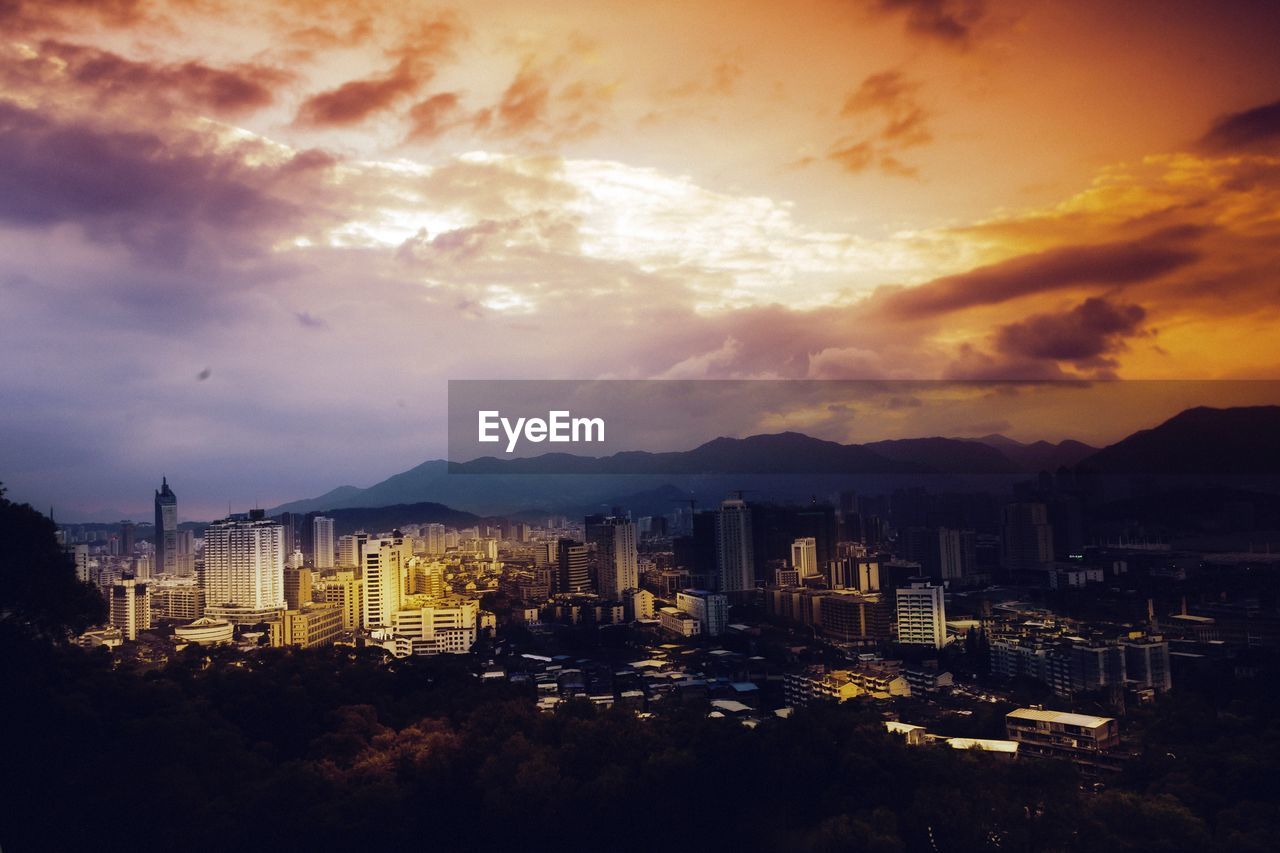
[
  {"x": 574, "y": 572},
  {"x": 804, "y": 556},
  {"x": 166, "y": 529},
  {"x": 297, "y": 587},
  {"x": 1027, "y": 536},
  {"x": 322, "y": 542},
  {"x": 244, "y": 565},
  {"x": 385, "y": 569},
  {"x": 735, "y": 562},
  {"x": 616, "y": 559},
  {"x": 128, "y": 533}
]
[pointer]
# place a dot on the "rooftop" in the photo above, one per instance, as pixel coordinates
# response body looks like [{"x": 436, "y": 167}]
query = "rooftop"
[{"x": 1083, "y": 720}]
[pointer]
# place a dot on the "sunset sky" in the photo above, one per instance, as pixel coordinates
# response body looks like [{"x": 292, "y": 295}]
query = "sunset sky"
[{"x": 244, "y": 245}]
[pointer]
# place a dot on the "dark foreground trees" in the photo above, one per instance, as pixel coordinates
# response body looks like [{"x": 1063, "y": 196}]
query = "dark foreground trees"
[{"x": 333, "y": 750}]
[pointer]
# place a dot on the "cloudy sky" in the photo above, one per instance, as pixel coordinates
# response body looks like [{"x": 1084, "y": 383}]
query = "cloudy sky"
[{"x": 245, "y": 245}]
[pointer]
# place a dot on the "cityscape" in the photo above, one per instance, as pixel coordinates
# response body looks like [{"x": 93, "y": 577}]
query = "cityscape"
[
  {"x": 844, "y": 425},
  {"x": 1056, "y": 634}
]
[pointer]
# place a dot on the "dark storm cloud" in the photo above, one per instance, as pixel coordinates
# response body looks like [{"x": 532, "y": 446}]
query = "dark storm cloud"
[
  {"x": 159, "y": 197},
  {"x": 1256, "y": 129},
  {"x": 1092, "y": 330},
  {"x": 1055, "y": 269}
]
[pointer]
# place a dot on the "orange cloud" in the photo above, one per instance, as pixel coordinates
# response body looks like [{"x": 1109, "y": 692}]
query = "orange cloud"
[
  {"x": 108, "y": 77},
  {"x": 888, "y": 100}
]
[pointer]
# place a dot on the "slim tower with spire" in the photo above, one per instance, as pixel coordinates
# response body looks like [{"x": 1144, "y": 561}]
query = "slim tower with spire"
[{"x": 166, "y": 529}]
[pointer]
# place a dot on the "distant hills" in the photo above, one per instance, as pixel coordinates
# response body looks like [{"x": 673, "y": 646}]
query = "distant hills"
[
  {"x": 1242, "y": 441},
  {"x": 1200, "y": 441}
]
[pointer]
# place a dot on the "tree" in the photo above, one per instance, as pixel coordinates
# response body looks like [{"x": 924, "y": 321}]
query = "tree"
[{"x": 39, "y": 592}]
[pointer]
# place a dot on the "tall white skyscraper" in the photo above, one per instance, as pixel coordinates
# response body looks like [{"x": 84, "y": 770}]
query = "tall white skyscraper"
[
  {"x": 922, "y": 615},
  {"x": 244, "y": 563},
  {"x": 386, "y": 563},
  {"x": 735, "y": 559},
  {"x": 804, "y": 556},
  {"x": 322, "y": 542}
]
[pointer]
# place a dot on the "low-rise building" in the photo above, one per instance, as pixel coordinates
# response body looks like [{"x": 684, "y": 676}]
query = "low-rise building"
[
  {"x": 677, "y": 622},
  {"x": 205, "y": 631},
  {"x": 1088, "y": 741},
  {"x": 309, "y": 626}
]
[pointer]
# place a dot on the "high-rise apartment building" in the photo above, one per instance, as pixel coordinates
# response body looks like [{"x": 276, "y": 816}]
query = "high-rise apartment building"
[
  {"x": 434, "y": 537},
  {"x": 922, "y": 615},
  {"x": 244, "y": 565},
  {"x": 735, "y": 561},
  {"x": 386, "y": 563},
  {"x": 1027, "y": 536},
  {"x": 615, "y": 557},
  {"x": 130, "y": 607},
  {"x": 574, "y": 573},
  {"x": 322, "y": 542},
  {"x": 351, "y": 549}
]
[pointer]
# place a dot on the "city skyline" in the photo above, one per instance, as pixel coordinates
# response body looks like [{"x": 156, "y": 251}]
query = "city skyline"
[{"x": 288, "y": 207}]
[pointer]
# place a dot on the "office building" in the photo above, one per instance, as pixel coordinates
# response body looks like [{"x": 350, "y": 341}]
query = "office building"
[
  {"x": 434, "y": 628},
  {"x": 346, "y": 590},
  {"x": 166, "y": 535},
  {"x": 297, "y": 587},
  {"x": 307, "y": 627},
  {"x": 804, "y": 557}
]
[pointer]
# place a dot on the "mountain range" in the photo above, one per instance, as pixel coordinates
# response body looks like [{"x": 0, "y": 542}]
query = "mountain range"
[{"x": 1200, "y": 441}]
